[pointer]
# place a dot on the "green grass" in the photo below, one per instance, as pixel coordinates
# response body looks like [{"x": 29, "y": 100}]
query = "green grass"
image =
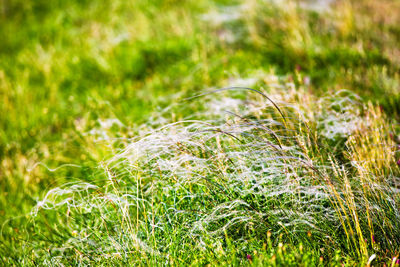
[{"x": 68, "y": 69}]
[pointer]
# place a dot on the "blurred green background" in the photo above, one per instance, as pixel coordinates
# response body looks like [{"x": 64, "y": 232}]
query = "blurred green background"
[{"x": 66, "y": 66}]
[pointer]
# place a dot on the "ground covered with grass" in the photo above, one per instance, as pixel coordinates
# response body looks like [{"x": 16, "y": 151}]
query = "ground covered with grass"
[{"x": 258, "y": 132}]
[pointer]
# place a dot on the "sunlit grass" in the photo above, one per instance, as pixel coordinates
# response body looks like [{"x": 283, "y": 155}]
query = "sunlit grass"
[{"x": 86, "y": 177}]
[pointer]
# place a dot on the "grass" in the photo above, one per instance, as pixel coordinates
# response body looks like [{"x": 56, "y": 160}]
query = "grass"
[{"x": 105, "y": 161}]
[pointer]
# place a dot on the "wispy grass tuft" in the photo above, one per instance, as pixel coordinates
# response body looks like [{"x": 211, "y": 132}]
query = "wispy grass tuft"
[{"x": 259, "y": 168}]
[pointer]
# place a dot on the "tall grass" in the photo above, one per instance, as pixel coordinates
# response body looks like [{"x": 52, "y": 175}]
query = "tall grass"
[{"x": 308, "y": 173}]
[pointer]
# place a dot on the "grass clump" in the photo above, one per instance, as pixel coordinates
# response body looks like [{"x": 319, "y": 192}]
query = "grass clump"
[{"x": 257, "y": 182}]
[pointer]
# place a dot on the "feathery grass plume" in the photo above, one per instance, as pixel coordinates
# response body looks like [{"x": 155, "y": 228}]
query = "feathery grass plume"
[{"x": 237, "y": 171}]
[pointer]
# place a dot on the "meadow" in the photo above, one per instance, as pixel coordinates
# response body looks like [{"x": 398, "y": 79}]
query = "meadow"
[{"x": 166, "y": 132}]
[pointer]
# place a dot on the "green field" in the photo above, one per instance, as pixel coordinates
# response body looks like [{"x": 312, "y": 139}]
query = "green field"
[{"x": 108, "y": 158}]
